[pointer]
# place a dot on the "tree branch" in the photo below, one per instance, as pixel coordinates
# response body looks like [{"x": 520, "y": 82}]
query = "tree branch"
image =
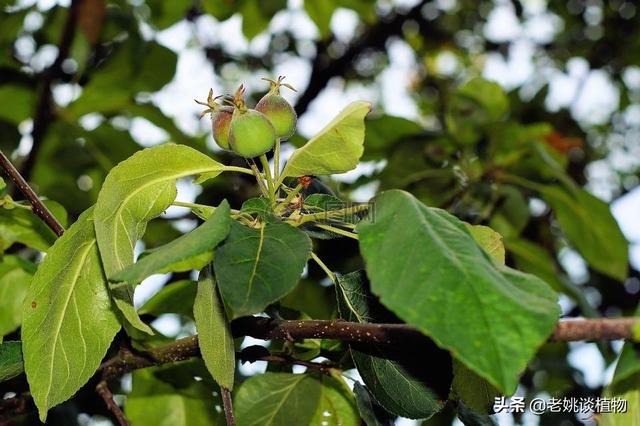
[
  {"x": 227, "y": 403},
  {"x": 38, "y": 206},
  {"x": 44, "y": 106},
  {"x": 374, "y": 334},
  {"x": 103, "y": 390}
]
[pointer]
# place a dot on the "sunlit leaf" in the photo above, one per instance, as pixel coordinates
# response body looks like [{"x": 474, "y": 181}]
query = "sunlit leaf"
[
  {"x": 68, "y": 319},
  {"x": 337, "y": 148}
]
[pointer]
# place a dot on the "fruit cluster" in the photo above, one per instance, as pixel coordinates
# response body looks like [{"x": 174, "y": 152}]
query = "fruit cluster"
[{"x": 251, "y": 132}]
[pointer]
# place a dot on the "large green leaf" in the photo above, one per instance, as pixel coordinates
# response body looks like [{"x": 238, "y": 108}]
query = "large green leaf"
[
  {"x": 169, "y": 396},
  {"x": 184, "y": 253},
  {"x": 424, "y": 265},
  {"x": 10, "y": 360},
  {"x": 335, "y": 149},
  {"x": 591, "y": 228},
  {"x": 256, "y": 267},
  {"x": 22, "y": 226},
  {"x": 214, "y": 331},
  {"x": 15, "y": 276},
  {"x": 398, "y": 377},
  {"x": 134, "y": 192},
  {"x": 68, "y": 319},
  {"x": 283, "y": 399}
]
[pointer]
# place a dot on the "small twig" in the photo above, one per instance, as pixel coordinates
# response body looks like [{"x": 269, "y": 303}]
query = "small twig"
[
  {"x": 338, "y": 231},
  {"x": 103, "y": 390},
  {"x": 38, "y": 207},
  {"x": 227, "y": 403},
  {"x": 324, "y": 267}
]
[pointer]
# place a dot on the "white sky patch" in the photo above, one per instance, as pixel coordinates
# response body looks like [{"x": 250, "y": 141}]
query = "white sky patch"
[
  {"x": 587, "y": 358},
  {"x": 502, "y": 24},
  {"x": 597, "y": 99},
  {"x": 194, "y": 76},
  {"x": 146, "y": 133}
]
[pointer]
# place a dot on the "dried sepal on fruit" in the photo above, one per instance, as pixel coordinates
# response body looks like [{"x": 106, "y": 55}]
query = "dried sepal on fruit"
[
  {"x": 220, "y": 119},
  {"x": 278, "y": 110},
  {"x": 251, "y": 133}
]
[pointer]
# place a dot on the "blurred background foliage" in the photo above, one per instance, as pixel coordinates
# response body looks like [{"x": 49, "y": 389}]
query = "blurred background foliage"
[{"x": 520, "y": 115}]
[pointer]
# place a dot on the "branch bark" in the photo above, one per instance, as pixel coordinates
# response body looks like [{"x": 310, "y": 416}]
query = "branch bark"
[
  {"x": 38, "y": 206},
  {"x": 103, "y": 390}
]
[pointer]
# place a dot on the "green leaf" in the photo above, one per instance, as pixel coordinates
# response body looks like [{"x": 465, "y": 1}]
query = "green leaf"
[
  {"x": 169, "y": 396},
  {"x": 16, "y": 103},
  {"x": 337, "y": 405},
  {"x": 257, "y": 14},
  {"x": 10, "y": 360},
  {"x": 15, "y": 276},
  {"x": 474, "y": 391},
  {"x": 134, "y": 192},
  {"x": 214, "y": 331},
  {"x": 283, "y": 399},
  {"x": 68, "y": 319},
  {"x": 22, "y": 226},
  {"x": 320, "y": 13},
  {"x": 184, "y": 253},
  {"x": 589, "y": 225},
  {"x": 385, "y": 131},
  {"x": 470, "y": 418},
  {"x": 372, "y": 414},
  {"x": 174, "y": 298},
  {"x": 397, "y": 377},
  {"x": 624, "y": 385},
  {"x": 336, "y": 149},
  {"x": 473, "y": 106},
  {"x": 424, "y": 264},
  {"x": 256, "y": 267},
  {"x": 489, "y": 240}
]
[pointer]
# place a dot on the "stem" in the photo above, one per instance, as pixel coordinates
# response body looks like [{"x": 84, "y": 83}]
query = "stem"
[
  {"x": 324, "y": 267},
  {"x": 107, "y": 397},
  {"x": 276, "y": 162},
  {"x": 331, "y": 213},
  {"x": 337, "y": 231},
  {"x": 238, "y": 169},
  {"x": 227, "y": 403},
  {"x": 283, "y": 205},
  {"x": 258, "y": 175},
  {"x": 38, "y": 207},
  {"x": 267, "y": 172}
]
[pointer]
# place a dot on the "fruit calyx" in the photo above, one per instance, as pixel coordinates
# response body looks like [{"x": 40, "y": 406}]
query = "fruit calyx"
[{"x": 274, "y": 85}]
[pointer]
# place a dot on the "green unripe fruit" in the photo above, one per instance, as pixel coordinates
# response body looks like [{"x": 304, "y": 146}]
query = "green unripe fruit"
[
  {"x": 280, "y": 113},
  {"x": 220, "y": 120},
  {"x": 251, "y": 133},
  {"x": 276, "y": 108},
  {"x": 220, "y": 126}
]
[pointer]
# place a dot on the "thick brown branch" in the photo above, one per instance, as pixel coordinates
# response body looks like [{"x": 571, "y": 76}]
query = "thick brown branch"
[
  {"x": 373, "y": 334},
  {"x": 38, "y": 207},
  {"x": 594, "y": 329},
  {"x": 103, "y": 390}
]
